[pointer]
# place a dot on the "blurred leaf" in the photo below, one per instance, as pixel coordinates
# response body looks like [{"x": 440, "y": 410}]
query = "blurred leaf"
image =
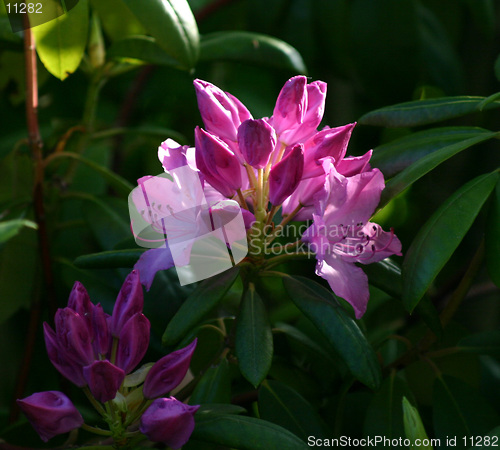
[
  {"x": 285, "y": 407},
  {"x": 414, "y": 428},
  {"x": 459, "y": 410},
  {"x": 423, "y": 112},
  {"x": 492, "y": 237},
  {"x": 254, "y": 339},
  {"x": 397, "y": 155},
  {"x": 245, "y": 433},
  {"x": 112, "y": 259},
  {"x": 322, "y": 308},
  {"x": 480, "y": 445},
  {"x": 206, "y": 296},
  {"x": 214, "y": 386},
  {"x": 483, "y": 14},
  {"x": 61, "y": 42},
  {"x": 11, "y": 228},
  {"x": 440, "y": 236},
  {"x": 497, "y": 68},
  {"x": 173, "y": 26},
  {"x": 253, "y": 48},
  {"x": 143, "y": 48},
  {"x": 427, "y": 163},
  {"x": 485, "y": 343},
  {"x": 117, "y": 20}
]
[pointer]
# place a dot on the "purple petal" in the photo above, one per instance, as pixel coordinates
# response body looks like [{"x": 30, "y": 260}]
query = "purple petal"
[
  {"x": 285, "y": 176},
  {"x": 133, "y": 343},
  {"x": 129, "y": 302},
  {"x": 153, "y": 261},
  {"x": 257, "y": 140},
  {"x": 291, "y": 104},
  {"x": 104, "y": 379}
]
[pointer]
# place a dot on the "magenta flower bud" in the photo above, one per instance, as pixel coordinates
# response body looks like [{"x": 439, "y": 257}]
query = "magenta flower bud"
[
  {"x": 79, "y": 300},
  {"x": 73, "y": 336},
  {"x": 104, "y": 379},
  {"x": 50, "y": 413},
  {"x": 168, "y": 372},
  {"x": 221, "y": 112},
  {"x": 60, "y": 360},
  {"x": 173, "y": 155},
  {"x": 285, "y": 176},
  {"x": 130, "y": 301},
  {"x": 169, "y": 421},
  {"x": 102, "y": 336},
  {"x": 133, "y": 343},
  {"x": 291, "y": 105},
  {"x": 257, "y": 140},
  {"x": 217, "y": 162}
]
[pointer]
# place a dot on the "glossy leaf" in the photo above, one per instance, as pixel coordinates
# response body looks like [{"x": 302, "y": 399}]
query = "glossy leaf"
[
  {"x": 397, "y": 155},
  {"x": 208, "y": 409},
  {"x": 424, "y": 165},
  {"x": 245, "y": 433},
  {"x": 214, "y": 386},
  {"x": 254, "y": 339},
  {"x": 206, "y": 296},
  {"x": 285, "y": 407},
  {"x": 116, "y": 19},
  {"x": 485, "y": 343},
  {"x": 341, "y": 331},
  {"x": 173, "y": 26},
  {"x": 61, "y": 42},
  {"x": 112, "y": 259},
  {"x": 143, "y": 48},
  {"x": 252, "y": 48},
  {"x": 423, "y": 112},
  {"x": 492, "y": 237},
  {"x": 414, "y": 428},
  {"x": 11, "y": 228},
  {"x": 440, "y": 236}
]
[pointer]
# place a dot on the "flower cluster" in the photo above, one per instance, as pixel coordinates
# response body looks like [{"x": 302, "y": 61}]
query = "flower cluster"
[
  {"x": 98, "y": 352},
  {"x": 284, "y": 162}
]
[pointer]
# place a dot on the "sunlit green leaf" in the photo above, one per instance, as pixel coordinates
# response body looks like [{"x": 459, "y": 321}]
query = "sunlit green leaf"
[
  {"x": 414, "y": 428},
  {"x": 10, "y": 228},
  {"x": 143, "y": 48},
  {"x": 116, "y": 19},
  {"x": 440, "y": 236}
]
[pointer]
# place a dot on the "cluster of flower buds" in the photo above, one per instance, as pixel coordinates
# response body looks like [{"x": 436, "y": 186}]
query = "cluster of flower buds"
[
  {"x": 284, "y": 161},
  {"x": 98, "y": 352}
]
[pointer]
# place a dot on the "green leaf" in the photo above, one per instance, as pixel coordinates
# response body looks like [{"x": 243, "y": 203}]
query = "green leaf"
[
  {"x": 254, "y": 339},
  {"x": 492, "y": 237},
  {"x": 11, "y": 228},
  {"x": 397, "y": 155},
  {"x": 253, "y": 48},
  {"x": 206, "y": 296},
  {"x": 116, "y": 19},
  {"x": 112, "y": 259},
  {"x": 143, "y": 48},
  {"x": 173, "y": 26},
  {"x": 208, "y": 409},
  {"x": 61, "y": 42},
  {"x": 440, "y": 236},
  {"x": 485, "y": 343},
  {"x": 497, "y": 68},
  {"x": 423, "y": 112},
  {"x": 493, "y": 433},
  {"x": 214, "y": 386},
  {"x": 245, "y": 433},
  {"x": 283, "y": 406},
  {"x": 425, "y": 164},
  {"x": 341, "y": 331},
  {"x": 414, "y": 428}
]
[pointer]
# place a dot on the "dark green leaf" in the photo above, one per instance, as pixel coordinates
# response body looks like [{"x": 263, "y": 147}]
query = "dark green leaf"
[
  {"x": 254, "y": 339},
  {"x": 341, "y": 331},
  {"x": 245, "y": 433},
  {"x": 414, "y": 428},
  {"x": 214, "y": 386},
  {"x": 173, "y": 26},
  {"x": 427, "y": 163},
  {"x": 285, "y": 407},
  {"x": 143, "y": 48},
  {"x": 423, "y": 112},
  {"x": 485, "y": 343},
  {"x": 397, "y": 155},
  {"x": 440, "y": 236},
  {"x": 493, "y": 433},
  {"x": 198, "y": 304},
  {"x": 61, "y": 42},
  {"x": 10, "y": 228},
  {"x": 207, "y": 409},
  {"x": 492, "y": 237},
  {"x": 483, "y": 14},
  {"x": 254, "y": 48},
  {"x": 109, "y": 260},
  {"x": 497, "y": 68}
]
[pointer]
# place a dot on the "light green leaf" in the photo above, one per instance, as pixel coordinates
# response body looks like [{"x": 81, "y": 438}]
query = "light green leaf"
[
  {"x": 10, "y": 228},
  {"x": 423, "y": 112},
  {"x": 172, "y": 24},
  {"x": 254, "y": 339},
  {"x": 492, "y": 237},
  {"x": 322, "y": 308},
  {"x": 414, "y": 428},
  {"x": 61, "y": 42},
  {"x": 253, "y": 48},
  {"x": 441, "y": 235}
]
